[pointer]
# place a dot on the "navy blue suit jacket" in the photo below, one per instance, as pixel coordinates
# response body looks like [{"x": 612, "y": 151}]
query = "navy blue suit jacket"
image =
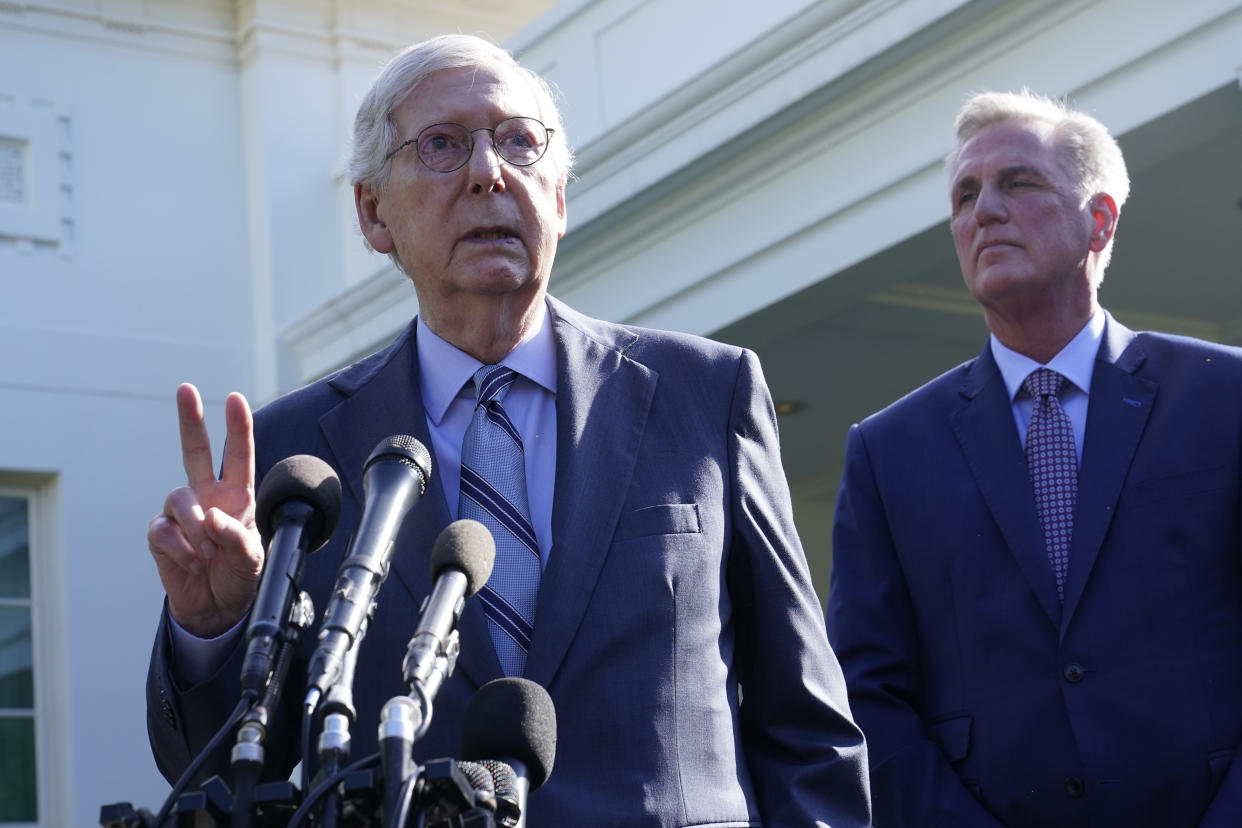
[
  {"x": 677, "y": 631},
  {"x": 984, "y": 700}
]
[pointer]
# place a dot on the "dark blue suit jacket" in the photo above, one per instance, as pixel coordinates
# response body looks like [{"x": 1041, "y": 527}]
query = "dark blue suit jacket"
[
  {"x": 984, "y": 700},
  {"x": 677, "y": 631}
]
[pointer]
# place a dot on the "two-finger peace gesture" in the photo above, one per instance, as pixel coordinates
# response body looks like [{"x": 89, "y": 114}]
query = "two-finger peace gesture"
[{"x": 205, "y": 543}]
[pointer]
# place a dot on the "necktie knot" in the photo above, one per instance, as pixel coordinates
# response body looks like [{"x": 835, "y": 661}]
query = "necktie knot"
[
  {"x": 492, "y": 382},
  {"x": 1044, "y": 382}
]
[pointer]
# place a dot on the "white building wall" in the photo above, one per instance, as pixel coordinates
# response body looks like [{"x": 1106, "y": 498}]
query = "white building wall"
[
  {"x": 97, "y": 328},
  {"x": 188, "y": 208}
]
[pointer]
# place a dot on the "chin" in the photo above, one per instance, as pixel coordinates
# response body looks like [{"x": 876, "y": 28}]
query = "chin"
[
  {"x": 1003, "y": 281},
  {"x": 499, "y": 282}
]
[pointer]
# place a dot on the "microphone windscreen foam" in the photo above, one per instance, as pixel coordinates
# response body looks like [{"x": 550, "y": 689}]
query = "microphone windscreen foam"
[
  {"x": 466, "y": 545},
  {"x": 512, "y": 718},
  {"x": 300, "y": 477}
]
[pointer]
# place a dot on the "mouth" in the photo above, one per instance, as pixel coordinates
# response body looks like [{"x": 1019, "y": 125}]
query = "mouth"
[
  {"x": 491, "y": 234},
  {"x": 992, "y": 245}
]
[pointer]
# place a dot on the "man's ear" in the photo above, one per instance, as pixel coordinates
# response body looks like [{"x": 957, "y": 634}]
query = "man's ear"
[
  {"x": 370, "y": 221},
  {"x": 1103, "y": 220},
  {"x": 560, "y": 208}
]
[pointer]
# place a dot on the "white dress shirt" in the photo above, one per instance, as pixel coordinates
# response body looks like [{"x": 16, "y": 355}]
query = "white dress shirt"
[{"x": 1075, "y": 362}]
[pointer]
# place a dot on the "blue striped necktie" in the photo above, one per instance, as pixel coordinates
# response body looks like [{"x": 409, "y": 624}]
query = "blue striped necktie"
[{"x": 493, "y": 492}]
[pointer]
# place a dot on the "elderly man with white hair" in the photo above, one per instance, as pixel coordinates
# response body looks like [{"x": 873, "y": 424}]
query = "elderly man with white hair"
[{"x": 648, "y": 571}]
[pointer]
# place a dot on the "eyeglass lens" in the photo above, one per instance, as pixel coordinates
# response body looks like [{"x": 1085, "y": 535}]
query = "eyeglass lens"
[{"x": 519, "y": 141}]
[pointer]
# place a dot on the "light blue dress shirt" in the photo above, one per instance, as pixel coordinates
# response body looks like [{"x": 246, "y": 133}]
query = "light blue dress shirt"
[
  {"x": 1075, "y": 362},
  {"x": 445, "y": 372}
]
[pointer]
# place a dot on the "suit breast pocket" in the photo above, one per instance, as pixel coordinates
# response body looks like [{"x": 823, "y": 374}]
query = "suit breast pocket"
[
  {"x": 663, "y": 519},
  {"x": 1181, "y": 485}
]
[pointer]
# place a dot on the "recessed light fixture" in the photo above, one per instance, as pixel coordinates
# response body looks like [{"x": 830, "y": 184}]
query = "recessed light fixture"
[{"x": 786, "y": 407}]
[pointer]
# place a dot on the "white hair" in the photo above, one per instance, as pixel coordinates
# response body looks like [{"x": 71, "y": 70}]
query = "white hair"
[
  {"x": 1090, "y": 154},
  {"x": 375, "y": 134}
]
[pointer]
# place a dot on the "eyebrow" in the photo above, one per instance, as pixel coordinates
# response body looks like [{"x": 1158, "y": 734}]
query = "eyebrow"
[{"x": 1003, "y": 174}]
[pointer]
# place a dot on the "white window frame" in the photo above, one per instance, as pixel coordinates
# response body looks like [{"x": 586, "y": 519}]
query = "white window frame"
[{"x": 52, "y": 717}]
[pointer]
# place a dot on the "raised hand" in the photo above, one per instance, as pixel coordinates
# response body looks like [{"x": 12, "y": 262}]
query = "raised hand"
[{"x": 205, "y": 542}]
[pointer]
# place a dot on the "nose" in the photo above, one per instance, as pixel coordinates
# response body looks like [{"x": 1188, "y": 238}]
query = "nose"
[
  {"x": 989, "y": 206},
  {"x": 484, "y": 164}
]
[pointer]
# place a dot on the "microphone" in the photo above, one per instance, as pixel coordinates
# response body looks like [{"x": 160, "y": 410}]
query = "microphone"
[
  {"x": 461, "y": 562},
  {"x": 297, "y": 508},
  {"x": 512, "y": 720},
  {"x": 394, "y": 477}
]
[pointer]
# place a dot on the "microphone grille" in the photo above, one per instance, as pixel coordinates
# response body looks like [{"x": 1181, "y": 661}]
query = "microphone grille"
[
  {"x": 480, "y": 777},
  {"x": 505, "y": 787},
  {"x": 404, "y": 449}
]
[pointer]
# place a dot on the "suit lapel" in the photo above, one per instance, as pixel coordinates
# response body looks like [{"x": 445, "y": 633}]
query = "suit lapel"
[
  {"x": 1120, "y": 402},
  {"x": 985, "y": 430},
  {"x": 602, "y": 401},
  {"x": 382, "y": 400}
]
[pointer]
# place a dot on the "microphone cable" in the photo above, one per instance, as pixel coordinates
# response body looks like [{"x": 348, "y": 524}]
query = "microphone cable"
[
  {"x": 308, "y": 802},
  {"x": 243, "y": 705}
]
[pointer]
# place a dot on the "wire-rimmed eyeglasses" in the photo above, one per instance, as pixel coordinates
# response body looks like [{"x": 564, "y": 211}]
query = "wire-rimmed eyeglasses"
[{"x": 447, "y": 147}]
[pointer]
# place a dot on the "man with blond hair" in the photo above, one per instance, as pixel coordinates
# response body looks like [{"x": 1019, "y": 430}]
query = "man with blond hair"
[{"x": 1036, "y": 589}]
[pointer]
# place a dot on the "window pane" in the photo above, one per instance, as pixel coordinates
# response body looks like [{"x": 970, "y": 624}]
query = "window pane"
[
  {"x": 16, "y": 678},
  {"x": 14, "y": 549},
  {"x": 17, "y": 771}
]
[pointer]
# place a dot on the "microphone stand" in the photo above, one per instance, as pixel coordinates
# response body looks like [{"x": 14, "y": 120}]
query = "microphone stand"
[
  {"x": 399, "y": 728},
  {"x": 405, "y": 719},
  {"x": 334, "y": 737},
  {"x": 248, "y": 752}
]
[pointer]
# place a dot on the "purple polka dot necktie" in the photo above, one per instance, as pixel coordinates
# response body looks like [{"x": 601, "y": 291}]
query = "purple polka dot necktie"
[
  {"x": 1053, "y": 465},
  {"x": 493, "y": 492}
]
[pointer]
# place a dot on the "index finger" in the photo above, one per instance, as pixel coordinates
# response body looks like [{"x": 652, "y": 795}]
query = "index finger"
[
  {"x": 237, "y": 467},
  {"x": 195, "y": 444}
]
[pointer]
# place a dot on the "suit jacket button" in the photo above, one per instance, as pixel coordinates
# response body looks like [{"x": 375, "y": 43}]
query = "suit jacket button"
[
  {"x": 1075, "y": 787},
  {"x": 1074, "y": 673}
]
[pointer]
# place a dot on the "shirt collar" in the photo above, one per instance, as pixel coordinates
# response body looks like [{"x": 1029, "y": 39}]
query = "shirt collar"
[
  {"x": 444, "y": 368},
  {"x": 1075, "y": 362}
]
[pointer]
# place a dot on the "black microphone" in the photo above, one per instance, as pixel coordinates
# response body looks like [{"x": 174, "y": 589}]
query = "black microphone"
[
  {"x": 297, "y": 508},
  {"x": 461, "y": 562},
  {"x": 512, "y": 720},
  {"x": 394, "y": 477}
]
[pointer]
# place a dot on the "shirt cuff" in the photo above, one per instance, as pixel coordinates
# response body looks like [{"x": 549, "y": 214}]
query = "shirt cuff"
[{"x": 194, "y": 659}]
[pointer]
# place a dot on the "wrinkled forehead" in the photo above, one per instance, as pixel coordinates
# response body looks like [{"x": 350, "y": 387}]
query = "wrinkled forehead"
[
  {"x": 475, "y": 96},
  {"x": 1008, "y": 145}
]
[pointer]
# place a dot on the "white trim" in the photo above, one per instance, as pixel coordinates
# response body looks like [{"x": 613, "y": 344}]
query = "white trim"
[
  {"x": 351, "y": 324},
  {"x": 146, "y": 32},
  {"x": 54, "y": 771},
  {"x": 43, "y": 217}
]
